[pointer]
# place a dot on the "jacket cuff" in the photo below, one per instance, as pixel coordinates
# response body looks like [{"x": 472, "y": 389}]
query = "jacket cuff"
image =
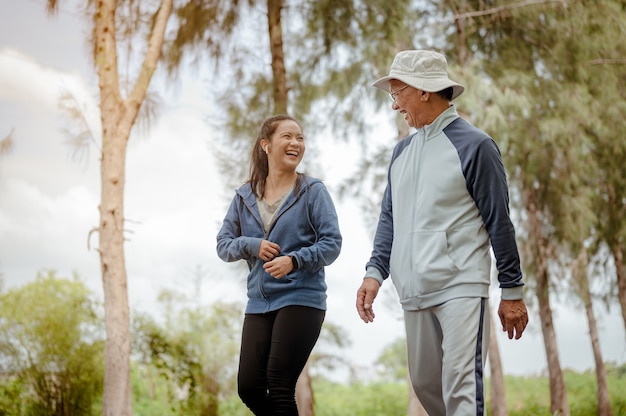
[
  {"x": 513, "y": 293},
  {"x": 374, "y": 273},
  {"x": 294, "y": 263}
]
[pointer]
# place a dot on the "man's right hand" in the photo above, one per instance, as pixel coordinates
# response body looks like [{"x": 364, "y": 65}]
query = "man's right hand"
[{"x": 365, "y": 298}]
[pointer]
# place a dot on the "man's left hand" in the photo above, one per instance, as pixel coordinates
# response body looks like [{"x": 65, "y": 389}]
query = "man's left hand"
[{"x": 513, "y": 316}]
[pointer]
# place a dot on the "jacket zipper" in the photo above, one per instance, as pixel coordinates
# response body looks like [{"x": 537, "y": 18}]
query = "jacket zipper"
[{"x": 266, "y": 234}]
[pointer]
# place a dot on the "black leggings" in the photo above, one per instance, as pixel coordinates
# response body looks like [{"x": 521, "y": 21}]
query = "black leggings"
[{"x": 275, "y": 347}]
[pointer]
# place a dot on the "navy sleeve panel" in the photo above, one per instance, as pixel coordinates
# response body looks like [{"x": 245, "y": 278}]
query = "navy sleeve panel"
[
  {"x": 383, "y": 240},
  {"x": 381, "y": 253},
  {"x": 485, "y": 176}
]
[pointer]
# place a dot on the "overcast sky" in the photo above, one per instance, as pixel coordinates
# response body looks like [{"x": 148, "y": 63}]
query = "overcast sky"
[{"x": 175, "y": 201}]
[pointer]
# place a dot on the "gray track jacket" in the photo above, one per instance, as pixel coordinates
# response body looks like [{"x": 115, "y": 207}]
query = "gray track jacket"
[{"x": 446, "y": 203}]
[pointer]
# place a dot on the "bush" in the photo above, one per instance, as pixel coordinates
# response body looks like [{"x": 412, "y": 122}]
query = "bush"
[{"x": 51, "y": 349}]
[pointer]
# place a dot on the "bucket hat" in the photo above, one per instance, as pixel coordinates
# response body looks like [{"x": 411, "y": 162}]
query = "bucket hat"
[{"x": 424, "y": 70}]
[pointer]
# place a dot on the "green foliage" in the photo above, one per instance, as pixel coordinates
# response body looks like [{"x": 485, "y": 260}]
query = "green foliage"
[
  {"x": 201, "y": 27},
  {"x": 393, "y": 361},
  {"x": 151, "y": 393},
  {"x": 324, "y": 357},
  {"x": 186, "y": 365},
  {"x": 525, "y": 396},
  {"x": 332, "y": 50},
  {"x": 531, "y": 395},
  {"x": 389, "y": 399},
  {"x": 51, "y": 348},
  {"x": 195, "y": 352},
  {"x": 12, "y": 392},
  {"x": 547, "y": 82}
]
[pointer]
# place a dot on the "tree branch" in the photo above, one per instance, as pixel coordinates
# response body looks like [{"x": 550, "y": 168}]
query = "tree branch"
[
  {"x": 106, "y": 56},
  {"x": 608, "y": 61},
  {"x": 155, "y": 45},
  {"x": 508, "y": 7}
]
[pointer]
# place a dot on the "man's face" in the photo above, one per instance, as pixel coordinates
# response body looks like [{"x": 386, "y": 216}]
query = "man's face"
[{"x": 408, "y": 102}]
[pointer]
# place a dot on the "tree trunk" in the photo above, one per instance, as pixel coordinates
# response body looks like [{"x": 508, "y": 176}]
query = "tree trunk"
[
  {"x": 279, "y": 73},
  {"x": 558, "y": 394},
  {"x": 581, "y": 277},
  {"x": 117, "y": 322},
  {"x": 498, "y": 392},
  {"x": 211, "y": 386},
  {"x": 118, "y": 117},
  {"x": 116, "y": 400},
  {"x": 604, "y": 401},
  {"x": 618, "y": 257},
  {"x": 304, "y": 390},
  {"x": 304, "y": 393},
  {"x": 460, "y": 41},
  {"x": 538, "y": 250}
]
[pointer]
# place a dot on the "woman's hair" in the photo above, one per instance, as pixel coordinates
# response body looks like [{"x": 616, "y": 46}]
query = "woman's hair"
[{"x": 258, "y": 161}]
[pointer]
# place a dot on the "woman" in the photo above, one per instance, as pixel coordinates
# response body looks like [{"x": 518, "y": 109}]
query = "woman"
[{"x": 284, "y": 224}]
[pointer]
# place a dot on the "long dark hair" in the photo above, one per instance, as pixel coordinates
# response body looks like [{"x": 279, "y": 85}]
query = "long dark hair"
[{"x": 259, "y": 168}]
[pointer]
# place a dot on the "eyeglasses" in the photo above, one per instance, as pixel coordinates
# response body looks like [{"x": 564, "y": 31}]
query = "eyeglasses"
[{"x": 394, "y": 95}]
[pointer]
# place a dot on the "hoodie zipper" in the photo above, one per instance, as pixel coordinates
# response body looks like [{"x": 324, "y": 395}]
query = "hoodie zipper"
[{"x": 266, "y": 234}]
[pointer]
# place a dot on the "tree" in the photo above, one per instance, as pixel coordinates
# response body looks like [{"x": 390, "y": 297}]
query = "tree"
[
  {"x": 195, "y": 350},
  {"x": 311, "y": 62},
  {"x": 549, "y": 141},
  {"x": 141, "y": 27},
  {"x": 579, "y": 270},
  {"x": 52, "y": 349},
  {"x": 118, "y": 115},
  {"x": 331, "y": 336},
  {"x": 393, "y": 362},
  {"x": 604, "y": 71}
]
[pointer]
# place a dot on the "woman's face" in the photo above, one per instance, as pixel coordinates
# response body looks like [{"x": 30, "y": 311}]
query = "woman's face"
[{"x": 286, "y": 146}]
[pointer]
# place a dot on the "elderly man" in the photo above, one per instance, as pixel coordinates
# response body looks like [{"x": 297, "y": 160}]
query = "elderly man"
[{"x": 445, "y": 205}]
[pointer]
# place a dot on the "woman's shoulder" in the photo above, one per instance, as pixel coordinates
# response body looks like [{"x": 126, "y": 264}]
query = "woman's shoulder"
[
  {"x": 245, "y": 190},
  {"x": 311, "y": 182}
]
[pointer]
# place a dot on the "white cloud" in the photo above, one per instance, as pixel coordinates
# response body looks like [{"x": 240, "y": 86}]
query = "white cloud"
[
  {"x": 43, "y": 232},
  {"x": 24, "y": 79}
]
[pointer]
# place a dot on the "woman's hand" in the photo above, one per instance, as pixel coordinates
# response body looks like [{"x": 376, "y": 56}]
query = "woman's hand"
[
  {"x": 268, "y": 250},
  {"x": 279, "y": 267}
]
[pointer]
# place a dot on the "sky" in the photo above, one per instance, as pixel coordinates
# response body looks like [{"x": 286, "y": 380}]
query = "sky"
[{"x": 175, "y": 201}]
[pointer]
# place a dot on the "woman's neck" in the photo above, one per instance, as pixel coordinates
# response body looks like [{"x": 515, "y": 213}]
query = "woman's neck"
[{"x": 277, "y": 184}]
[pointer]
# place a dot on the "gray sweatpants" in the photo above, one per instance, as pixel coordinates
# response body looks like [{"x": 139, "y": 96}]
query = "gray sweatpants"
[{"x": 447, "y": 348}]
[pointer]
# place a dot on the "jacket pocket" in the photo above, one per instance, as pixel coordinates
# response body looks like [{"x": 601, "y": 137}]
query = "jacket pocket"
[{"x": 421, "y": 263}]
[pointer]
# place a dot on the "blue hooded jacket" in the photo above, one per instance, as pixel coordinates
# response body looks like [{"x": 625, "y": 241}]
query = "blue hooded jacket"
[{"x": 305, "y": 227}]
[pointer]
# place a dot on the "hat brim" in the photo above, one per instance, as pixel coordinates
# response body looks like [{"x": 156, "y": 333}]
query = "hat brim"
[{"x": 424, "y": 84}]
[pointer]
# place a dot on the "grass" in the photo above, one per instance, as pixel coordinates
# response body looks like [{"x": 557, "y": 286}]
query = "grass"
[{"x": 525, "y": 396}]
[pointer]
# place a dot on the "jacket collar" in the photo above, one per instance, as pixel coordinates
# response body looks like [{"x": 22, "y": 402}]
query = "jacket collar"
[
  {"x": 441, "y": 122},
  {"x": 245, "y": 190}
]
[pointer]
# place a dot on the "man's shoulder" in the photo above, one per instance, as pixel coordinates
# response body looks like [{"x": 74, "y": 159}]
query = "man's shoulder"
[
  {"x": 461, "y": 128},
  {"x": 401, "y": 145}
]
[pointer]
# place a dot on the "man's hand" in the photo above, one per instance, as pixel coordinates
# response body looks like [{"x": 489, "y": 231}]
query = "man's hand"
[
  {"x": 513, "y": 316},
  {"x": 365, "y": 298}
]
